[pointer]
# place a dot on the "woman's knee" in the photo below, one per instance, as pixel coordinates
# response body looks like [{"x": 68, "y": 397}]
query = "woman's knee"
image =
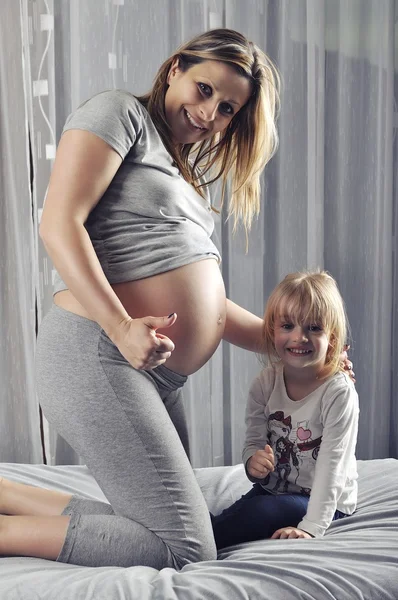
[
  {"x": 197, "y": 546},
  {"x": 197, "y": 552}
]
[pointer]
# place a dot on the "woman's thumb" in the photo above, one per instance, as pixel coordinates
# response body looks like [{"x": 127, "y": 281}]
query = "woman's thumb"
[{"x": 162, "y": 322}]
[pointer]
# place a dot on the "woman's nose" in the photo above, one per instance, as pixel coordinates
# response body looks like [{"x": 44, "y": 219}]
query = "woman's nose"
[{"x": 208, "y": 110}]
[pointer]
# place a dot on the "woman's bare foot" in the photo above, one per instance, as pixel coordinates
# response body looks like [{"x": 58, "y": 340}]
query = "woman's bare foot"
[{"x": 20, "y": 499}]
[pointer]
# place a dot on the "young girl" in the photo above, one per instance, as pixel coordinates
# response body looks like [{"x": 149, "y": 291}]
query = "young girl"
[{"x": 302, "y": 420}]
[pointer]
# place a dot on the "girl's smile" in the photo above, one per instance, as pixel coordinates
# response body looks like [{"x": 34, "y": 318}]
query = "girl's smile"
[
  {"x": 299, "y": 352},
  {"x": 300, "y": 346}
]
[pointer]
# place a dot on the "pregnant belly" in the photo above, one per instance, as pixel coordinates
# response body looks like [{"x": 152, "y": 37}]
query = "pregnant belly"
[{"x": 195, "y": 292}]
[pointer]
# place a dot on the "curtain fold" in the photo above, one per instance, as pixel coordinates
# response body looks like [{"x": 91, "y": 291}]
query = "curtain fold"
[
  {"x": 359, "y": 202},
  {"x": 329, "y": 194}
]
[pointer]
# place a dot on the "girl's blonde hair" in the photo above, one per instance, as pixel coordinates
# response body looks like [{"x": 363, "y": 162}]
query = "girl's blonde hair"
[
  {"x": 247, "y": 144},
  {"x": 309, "y": 297}
]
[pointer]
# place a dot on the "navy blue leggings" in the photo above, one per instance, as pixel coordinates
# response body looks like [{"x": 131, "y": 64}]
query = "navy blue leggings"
[{"x": 257, "y": 515}]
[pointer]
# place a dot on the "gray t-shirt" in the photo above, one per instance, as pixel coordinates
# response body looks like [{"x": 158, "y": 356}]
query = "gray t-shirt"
[{"x": 149, "y": 220}]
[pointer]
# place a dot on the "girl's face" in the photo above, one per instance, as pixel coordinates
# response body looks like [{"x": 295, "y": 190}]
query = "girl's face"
[
  {"x": 202, "y": 101},
  {"x": 300, "y": 346}
]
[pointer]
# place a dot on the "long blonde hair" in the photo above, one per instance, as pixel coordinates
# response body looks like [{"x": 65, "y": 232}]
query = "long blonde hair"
[
  {"x": 243, "y": 149},
  {"x": 309, "y": 296}
]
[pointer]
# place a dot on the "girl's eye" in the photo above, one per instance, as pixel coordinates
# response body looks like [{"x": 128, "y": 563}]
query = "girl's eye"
[
  {"x": 286, "y": 326},
  {"x": 206, "y": 89},
  {"x": 315, "y": 328}
]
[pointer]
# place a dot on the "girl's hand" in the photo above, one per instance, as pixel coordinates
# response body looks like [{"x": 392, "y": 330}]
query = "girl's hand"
[
  {"x": 346, "y": 363},
  {"x": 290, "y": 533},
  {"x": 139, "y": 343},
  {"x": 261, "y": 463}
]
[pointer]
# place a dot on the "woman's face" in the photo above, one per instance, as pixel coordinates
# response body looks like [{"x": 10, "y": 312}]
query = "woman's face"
[{"x": 202, "y": 101}]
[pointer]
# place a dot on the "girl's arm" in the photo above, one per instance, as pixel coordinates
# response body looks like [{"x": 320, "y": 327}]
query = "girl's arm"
[
  {"x": 256, "y": 440},
  {"x": 335, "y": 462},
  {"x": 243, "y": 329}
]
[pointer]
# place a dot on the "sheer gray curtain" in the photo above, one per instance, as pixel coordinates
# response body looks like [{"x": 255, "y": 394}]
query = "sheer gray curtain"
[
  {"x": 19, "y": 413},
  {"x": 328, "y": 195}
]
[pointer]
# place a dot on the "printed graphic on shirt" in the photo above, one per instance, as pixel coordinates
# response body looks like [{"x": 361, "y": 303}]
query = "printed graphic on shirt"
[
  {"x": 304, "y": 442},
  {"x": 294, "y": 450}
]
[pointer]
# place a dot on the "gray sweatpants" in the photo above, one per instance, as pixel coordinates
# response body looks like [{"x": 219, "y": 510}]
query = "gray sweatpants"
[{"x": 129, "y": 428}]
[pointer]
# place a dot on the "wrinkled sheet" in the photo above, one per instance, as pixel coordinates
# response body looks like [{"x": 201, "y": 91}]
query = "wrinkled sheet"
[{"x": 356, "y": 560}]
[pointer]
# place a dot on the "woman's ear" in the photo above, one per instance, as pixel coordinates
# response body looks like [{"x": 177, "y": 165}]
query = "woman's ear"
[{"x": 174, "y": 69}]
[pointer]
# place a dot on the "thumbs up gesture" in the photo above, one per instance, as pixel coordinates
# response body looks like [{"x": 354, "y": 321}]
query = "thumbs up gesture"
[
  {"x": 261, "y": 463},
  {"x": 140, "y": 344}
]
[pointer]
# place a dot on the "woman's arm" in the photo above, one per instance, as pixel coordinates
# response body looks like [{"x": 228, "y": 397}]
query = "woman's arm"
[
  {"x": 83, "y": 169},
  {"x": 243, "y": 329}
]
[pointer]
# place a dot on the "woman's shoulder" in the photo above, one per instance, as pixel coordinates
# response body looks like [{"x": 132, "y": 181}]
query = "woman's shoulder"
[
  {"x": 121, "y": 97},
  {"x": 112, "y": 101},
  {"x": 114, "y": 115}
]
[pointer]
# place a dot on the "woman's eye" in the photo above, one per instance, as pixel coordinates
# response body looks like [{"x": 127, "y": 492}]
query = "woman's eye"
[
  {"x": 206, "y": 89},
  {"x": 226, "y": 108}
]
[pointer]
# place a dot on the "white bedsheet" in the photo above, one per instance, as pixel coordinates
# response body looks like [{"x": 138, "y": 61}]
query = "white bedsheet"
[{"x": 356, "y": 560}]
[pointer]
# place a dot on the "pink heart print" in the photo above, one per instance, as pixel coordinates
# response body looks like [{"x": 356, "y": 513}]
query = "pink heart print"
[{"x": 303, "y": 434}]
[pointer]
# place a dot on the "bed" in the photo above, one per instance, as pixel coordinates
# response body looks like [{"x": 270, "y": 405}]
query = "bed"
[{"x": 356, "y": 560}]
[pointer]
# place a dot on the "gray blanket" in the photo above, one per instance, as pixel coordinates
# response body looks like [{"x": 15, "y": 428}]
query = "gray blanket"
[{"x": 356, "y": 560}]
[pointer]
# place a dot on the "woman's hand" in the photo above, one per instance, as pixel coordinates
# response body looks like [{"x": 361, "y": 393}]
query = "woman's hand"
[
  {"x": 261, "y": 463},
  {"x": 139, "y": 343},
  {"x": 290, "y": 533},
  {"x": 346, "y": 363}
]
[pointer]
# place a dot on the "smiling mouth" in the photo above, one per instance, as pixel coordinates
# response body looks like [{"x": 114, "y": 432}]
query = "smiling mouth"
[
  {"x": 192, "y": 122},
  {"x": 298, "y": 352}
]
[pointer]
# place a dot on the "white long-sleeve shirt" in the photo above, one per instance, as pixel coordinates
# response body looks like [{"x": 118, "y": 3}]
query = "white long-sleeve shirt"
[{"x": 313, "y": 440}]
